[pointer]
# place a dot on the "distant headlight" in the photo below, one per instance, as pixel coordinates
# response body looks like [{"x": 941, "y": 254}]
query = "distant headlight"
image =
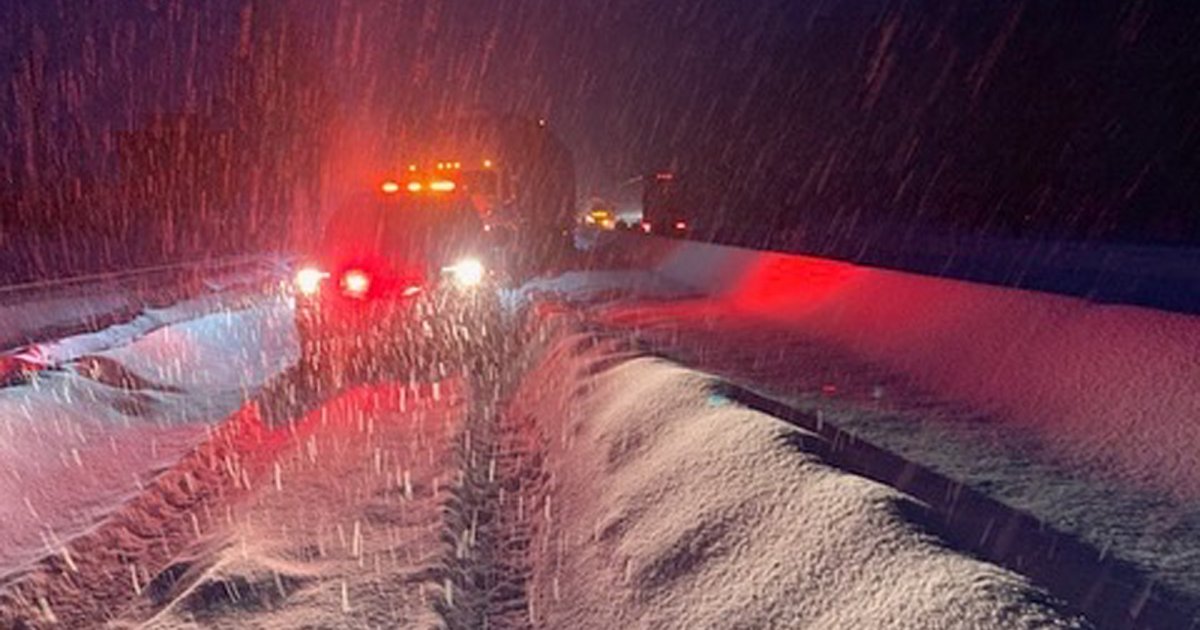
[{"x": 467, "y": 272}]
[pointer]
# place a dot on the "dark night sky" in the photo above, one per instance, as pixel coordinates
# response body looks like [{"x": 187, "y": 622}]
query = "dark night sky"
[{"x": 1071, "y": 119}]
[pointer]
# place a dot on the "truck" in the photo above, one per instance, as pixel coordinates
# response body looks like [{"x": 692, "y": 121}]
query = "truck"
[
  {"x": 516, "y": 172},
  {"x": 663, "y": 211}
]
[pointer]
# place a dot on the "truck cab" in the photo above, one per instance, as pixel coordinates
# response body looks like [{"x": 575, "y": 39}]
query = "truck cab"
[{"x": 391, "y": 270}]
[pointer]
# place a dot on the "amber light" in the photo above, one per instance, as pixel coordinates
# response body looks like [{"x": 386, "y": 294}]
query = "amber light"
[
  {"x": 414, "y": 187},
  {"x": 442, "y": 185},
  {"x": 390, "y": 187}
]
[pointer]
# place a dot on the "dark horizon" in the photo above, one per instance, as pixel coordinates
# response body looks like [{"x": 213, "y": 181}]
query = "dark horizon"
[{"x": 1025, "y": 121}]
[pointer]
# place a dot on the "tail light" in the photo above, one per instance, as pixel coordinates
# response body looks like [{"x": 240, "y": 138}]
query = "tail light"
[
  {"x": 646, "y": 227},
  {"x": 681, "y": 225},
  {"x": 356, "y": 283}
]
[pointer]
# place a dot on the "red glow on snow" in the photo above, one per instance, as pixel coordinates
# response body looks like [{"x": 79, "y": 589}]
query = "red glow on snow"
[{"x": 798, "y": 280}]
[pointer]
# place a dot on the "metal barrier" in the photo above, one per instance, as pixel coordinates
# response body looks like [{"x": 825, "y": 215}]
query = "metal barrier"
[{"x": 33, "y": 312}]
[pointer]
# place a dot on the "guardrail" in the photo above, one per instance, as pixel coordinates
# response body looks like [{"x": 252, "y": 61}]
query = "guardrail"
[{"x": 34, "y": 312}]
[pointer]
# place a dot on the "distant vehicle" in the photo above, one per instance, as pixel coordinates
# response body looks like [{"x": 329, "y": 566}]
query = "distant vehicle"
[
  {"x": 395, "y": 270},
  {"x": 663, "y": 211},
  {"x": 601, "y": 216}
]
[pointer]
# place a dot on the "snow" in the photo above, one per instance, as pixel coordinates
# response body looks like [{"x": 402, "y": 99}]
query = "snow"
[
  {"x": 1157, "y": 532},
  {"x": 76, "y": 442},
  {"x": 341, "y": 526},
  {"x": 669, "y": 506},
  {"x": 1099, "y": 382},
  {"x": 590, "y": 286},
  {"x": 29, "y": 317},
  {"x": 1079, "y": 413},
  {"x": 154, "y": 297},
  {"x": 140, "y": 488},
  {"x": 230, "y": 349},
  {"x": 656, "y": 501}
]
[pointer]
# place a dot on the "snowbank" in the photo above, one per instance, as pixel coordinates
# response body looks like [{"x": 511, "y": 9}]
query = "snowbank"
[
  {"x": 668, "y": 506},
  {"x": 75, "y": 442},
  {"x": 32, "y": 313},
  {"x": 1112, "y": 385}
]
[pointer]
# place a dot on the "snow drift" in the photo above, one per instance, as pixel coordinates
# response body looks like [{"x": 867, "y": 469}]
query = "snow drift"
[
  {"x": 666, "y": 505},
  {"x": 1109, "y": 384},
  {"x": 77, "y": 441}
]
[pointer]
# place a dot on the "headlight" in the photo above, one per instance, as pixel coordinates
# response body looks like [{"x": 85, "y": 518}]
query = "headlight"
[
  {"x": 308, "y": 280},
  {"x": 467, "y": 272}
]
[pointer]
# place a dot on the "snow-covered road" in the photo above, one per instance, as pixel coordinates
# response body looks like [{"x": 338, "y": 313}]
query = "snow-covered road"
[{"x": 585, "y": 484}]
